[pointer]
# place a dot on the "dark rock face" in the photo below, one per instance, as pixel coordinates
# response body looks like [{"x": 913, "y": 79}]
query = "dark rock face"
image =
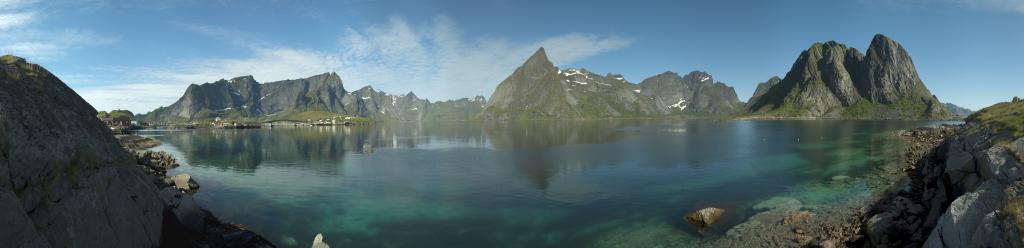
[
  {"x": 959, "y": 111},
  {"x": 697, "y": 92},
  {"x": 539, "y": 90},
  {"x": 833, "y": 81},
  {"x": 245, "y": 97},
  {"x": 762, "y": 88},
  {"x": 67, "y": 181}
]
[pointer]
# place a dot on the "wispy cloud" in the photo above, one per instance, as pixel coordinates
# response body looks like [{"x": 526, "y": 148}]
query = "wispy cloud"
[
  {"x": 43, "y": 45},
  {"x": 13, "y": 20},
  {"x": 437, "y": 61},
  {"x": 988, "y": 5},
  {"x": 434, "y": 59},
  {"x": 21, "y": 36}
]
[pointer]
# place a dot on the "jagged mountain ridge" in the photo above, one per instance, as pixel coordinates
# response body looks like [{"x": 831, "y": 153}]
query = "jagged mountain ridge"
[
  {"x": 540, "y": 90},
  {"x": 244, "y": 97},
  {"x": 832, "y": 80}
]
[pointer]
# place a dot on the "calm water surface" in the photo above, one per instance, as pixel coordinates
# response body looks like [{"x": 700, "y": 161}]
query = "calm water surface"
[{"x": 528, "y": 184}]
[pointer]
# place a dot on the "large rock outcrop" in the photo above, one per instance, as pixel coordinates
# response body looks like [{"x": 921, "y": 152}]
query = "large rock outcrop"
[
  {"x": 967, "y": 192},
  {"x": 832, "y": 80},
  {"x": 65, "y": 180}
]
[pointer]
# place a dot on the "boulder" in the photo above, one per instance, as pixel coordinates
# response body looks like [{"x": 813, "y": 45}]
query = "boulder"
[
  {"x": 184, "y": 209},
  {"x": 965, "y": 216},
  {"x": 318, "y": 242},
  {"x": 958, "y": 164},
  {"x": 841, "y": 178},
  {"x": 705, "y": 217},
  {"x": 184, "y": 182}
]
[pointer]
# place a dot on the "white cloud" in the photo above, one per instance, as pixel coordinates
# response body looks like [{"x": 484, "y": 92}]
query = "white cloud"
[
  {"x": 42, "y": 45},
  {"x": 143, "y": 89},
  {"x": 433, "y": 60},
  {"x": 21, "y": 35},
  {"x": 1010, "y": 5},
  {"x": 436, "y": 61},
  {"x": 14, "y": 20},
  {"x": 13, "y": 4},
  {"x": 131, "y": 96}
]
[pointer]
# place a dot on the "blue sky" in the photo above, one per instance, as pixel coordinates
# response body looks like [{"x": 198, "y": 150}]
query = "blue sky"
[{"x": 138, "y": 55}]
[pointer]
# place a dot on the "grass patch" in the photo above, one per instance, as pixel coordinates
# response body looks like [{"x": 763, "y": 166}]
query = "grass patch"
[
  {"x": 1002, "y": 117},
  {"x": 1014, "y": 209}
]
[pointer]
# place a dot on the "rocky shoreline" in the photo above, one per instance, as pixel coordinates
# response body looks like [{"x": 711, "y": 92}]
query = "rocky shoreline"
[
  {"x": 135, "y": 142},
  {"x": 928, "y": 201},
  {"x": 186, "y": 224},
  {"x": 963, "y": 187}
]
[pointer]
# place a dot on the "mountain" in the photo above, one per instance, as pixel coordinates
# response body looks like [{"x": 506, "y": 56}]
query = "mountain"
[
  {"x": 762, "y": 88},
  {"x": 694, "y": 93},
  {"x": 460, "y": 109},
  {"x": 296, "y": 99},
  {"x": 830, "y": 80},
  {"x": 539, "y": 90},
  {"x": 959, "y": 111}
]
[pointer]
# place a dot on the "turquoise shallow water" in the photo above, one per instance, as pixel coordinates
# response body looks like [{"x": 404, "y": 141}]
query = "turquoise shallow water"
[{"x": 525, "y": 184}]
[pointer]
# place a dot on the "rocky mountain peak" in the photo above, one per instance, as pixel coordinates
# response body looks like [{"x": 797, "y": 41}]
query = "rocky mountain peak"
[
  {"x": 881, "y": 41},
  {"x": 699, "y": 77},
  {"x": 667, "y": 74},
  {"x": 246, "y": 78},
  {"x": 538, "y": 60}
]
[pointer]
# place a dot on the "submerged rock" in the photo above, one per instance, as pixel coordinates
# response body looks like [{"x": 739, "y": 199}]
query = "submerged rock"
[
  {"x": 841, "y": 178},
  {"x": 705, "y": 217},
  {"x": 318, "y": 241},
  {"x": 797, "y": 218}
]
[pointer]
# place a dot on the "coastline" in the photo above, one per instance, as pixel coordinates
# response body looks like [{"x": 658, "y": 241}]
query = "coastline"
[
  {"x": 785, "y": 221},
  {"x": 185, "y": 222}
]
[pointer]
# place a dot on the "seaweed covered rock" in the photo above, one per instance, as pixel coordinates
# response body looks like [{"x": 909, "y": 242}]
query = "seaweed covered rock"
[{"x": 705, "y": 217}]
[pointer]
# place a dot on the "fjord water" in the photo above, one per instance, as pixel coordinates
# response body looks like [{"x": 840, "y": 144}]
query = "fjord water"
[{"x": 522, "y": 184}]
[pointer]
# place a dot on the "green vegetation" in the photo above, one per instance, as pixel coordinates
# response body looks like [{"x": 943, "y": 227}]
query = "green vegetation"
[
  {"x": 1003, "y": 117},
  {"x": 1014, "y": 209},
  {"x": 903, "y": 109},
  {"x": 117, "y": 115},
  {"x": 9, "y": 59}
]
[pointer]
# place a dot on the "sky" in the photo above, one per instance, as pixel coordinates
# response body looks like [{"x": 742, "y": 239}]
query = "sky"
[{"x": 139, "y": 55}]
